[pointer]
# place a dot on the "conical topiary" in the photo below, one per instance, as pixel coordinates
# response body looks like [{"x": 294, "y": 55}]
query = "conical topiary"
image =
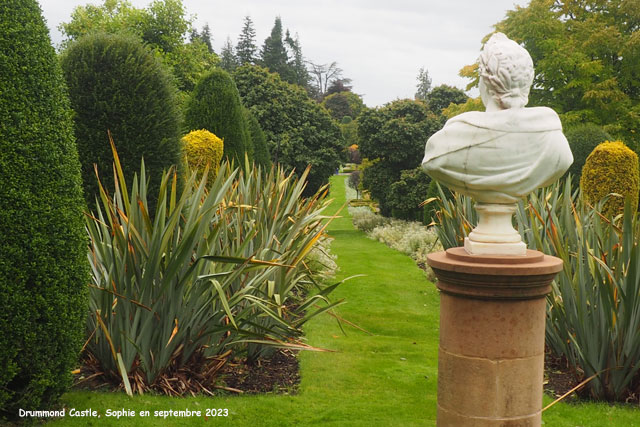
[
  {"x": 118, "y": 85},
  {"x": 215, "y": 105},
  {"x": 612, "y": 167},
  {"x": 261, "y": 155},
  {"x": 43, "y": 256}
]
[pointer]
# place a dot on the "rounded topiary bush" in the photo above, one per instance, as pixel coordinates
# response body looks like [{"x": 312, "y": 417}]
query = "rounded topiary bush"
[
  {"x": 261, "y": 156},
  {"x": 582, "y": 140},
  {"x": 116, "y": 84},
  {"x": 43, "y": 261},
  {"x": 407, "y": 194},
  {"x": 612, "y": 167},
  {"x": 215, "y": 105},
  {"x": 203, "y": 149}
]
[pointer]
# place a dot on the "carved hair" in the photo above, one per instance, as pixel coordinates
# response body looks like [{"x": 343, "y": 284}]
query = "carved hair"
[{"x": 507, "y": 71}]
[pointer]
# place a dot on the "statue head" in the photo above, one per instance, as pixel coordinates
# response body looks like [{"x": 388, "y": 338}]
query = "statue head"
[{"x": 506, "y": 73}]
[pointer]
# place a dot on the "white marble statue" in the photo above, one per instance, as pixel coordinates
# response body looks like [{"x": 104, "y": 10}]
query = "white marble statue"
[{"x": 501, "y": 155}]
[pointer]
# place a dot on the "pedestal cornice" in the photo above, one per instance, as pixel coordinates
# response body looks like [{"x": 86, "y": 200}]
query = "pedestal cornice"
[{"x": 494, "y": 276}]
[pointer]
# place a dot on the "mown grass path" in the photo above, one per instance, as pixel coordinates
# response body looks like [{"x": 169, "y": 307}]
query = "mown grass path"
[{"x": 385, "y": 378}]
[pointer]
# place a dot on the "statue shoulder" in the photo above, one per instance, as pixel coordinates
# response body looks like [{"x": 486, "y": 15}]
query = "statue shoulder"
[
  {"x": 546, "y": 115},
  {"x": 468, "y": 117},
  {"x": 533, "y": 119}
]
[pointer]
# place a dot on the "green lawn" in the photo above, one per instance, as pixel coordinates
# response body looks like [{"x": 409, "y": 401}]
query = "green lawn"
[{"x": 387, "y": 378}]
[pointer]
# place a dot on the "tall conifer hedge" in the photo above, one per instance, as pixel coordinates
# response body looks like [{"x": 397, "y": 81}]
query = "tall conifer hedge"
[
  {"x": 261, "y": 154},
  {"x": 118, "y": 85},
  {"x": 43, "y": 245},
  {"x": 215, "y": 105}
]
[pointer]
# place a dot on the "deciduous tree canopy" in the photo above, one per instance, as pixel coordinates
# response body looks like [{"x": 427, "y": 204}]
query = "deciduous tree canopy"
[
  {"x": 163, "y": 25},
  {"x": 586, "y": 55},
  {"x": 298, "y": 130},
  {"x": 393, "y": 137}
]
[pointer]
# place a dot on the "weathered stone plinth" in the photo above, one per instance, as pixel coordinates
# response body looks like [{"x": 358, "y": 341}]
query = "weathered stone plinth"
[{"x": 492, "y": 323}]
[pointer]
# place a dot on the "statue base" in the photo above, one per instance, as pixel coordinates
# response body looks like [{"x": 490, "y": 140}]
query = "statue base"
[
  {"x": 494, "y": 234},
  {"x": 483, "y": 248}
]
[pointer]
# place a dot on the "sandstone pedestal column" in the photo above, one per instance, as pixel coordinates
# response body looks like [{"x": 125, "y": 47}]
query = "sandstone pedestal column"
[{"x": 492, "y": 329}]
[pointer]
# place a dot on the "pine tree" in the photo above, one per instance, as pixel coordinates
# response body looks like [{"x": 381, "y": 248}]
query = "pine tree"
[
  {"x": 274, "y": 55},
  {"x": 297, "y": 64},
  {"x": 246, "y": 47},
  {"x": 228, "y": 60},
  {"x": 205, "y": 36},
  {"x": 424, "y": 84}
]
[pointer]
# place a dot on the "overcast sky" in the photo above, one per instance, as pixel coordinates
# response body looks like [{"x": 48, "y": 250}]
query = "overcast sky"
[{"x": 379, "y": 44}]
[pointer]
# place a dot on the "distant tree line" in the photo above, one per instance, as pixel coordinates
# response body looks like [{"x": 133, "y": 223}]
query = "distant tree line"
[{"x": 297, "y": 132}]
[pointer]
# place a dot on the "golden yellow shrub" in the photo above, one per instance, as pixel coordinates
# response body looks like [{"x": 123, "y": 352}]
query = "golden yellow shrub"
[
  {"x": 203, "y": 148},
  {"x": 612, "y": 167}
]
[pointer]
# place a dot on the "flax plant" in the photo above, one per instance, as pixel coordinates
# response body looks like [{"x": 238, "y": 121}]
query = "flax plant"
[
  {"x": 267, "y": 217},
  {"x": 593, "y": 312},
  {"x": 455, "y": 218},
  {"x": 215, "y": 267}
]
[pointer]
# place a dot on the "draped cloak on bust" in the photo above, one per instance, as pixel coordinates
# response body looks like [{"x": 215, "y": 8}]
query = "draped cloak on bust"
[{"x": 499, "y": 156}]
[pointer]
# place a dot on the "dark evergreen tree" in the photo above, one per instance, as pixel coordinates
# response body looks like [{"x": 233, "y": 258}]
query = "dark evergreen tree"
[
  {"x": 118, "y": 85},
  {"x": 407, "y": 193},
  {"x": 43, "y": 257},
  {"x": 260, "y": 150},
  {"x": 205, "y": 36},
  {"x": 246, "y": 49},
  {"x": 274, "y": 55},
  {"x": 343, "y": 104},
  {"x": 300, "y": 75},
  {"x": 394, "y": 135},
  {"x": 215, "y": 106},
  {"x": 339, "y": 85},
  {"x": 424, "y": 84},
  {"x": 228, "y": 60},
  {"x": 583, "y": 139}
]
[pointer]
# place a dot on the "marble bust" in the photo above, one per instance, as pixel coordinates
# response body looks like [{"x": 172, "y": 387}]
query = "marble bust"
[{"x": 501, "y": 155}]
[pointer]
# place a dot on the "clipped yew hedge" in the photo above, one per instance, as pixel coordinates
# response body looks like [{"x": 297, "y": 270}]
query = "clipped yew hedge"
[
  {"x": 43, "y": 257},
  {"x": 261, "y": 154},
  {"x": 215, "y": 105},
  {"x": 117, "y": 85}
]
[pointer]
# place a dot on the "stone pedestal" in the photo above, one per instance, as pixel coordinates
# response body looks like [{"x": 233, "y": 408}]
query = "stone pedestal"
[{"x": 492, "y": 330}]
